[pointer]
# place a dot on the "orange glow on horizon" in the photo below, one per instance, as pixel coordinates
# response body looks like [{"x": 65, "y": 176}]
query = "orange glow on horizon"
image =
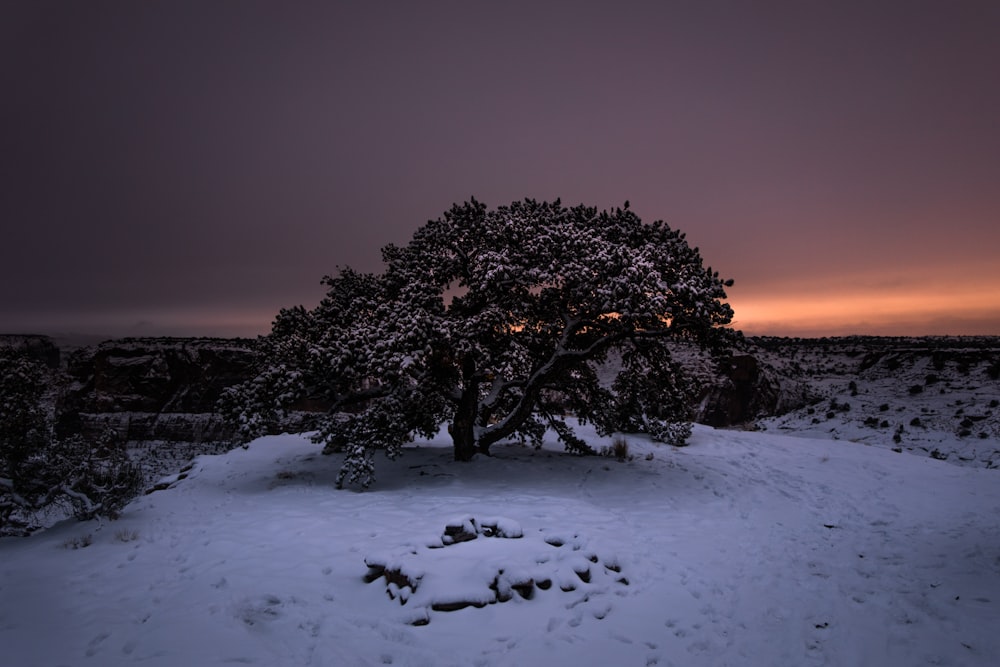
[
  {"x": 940, "y": 298},
  {"x": 917, "y": 313},
  {"x": 861, "y": 306}
]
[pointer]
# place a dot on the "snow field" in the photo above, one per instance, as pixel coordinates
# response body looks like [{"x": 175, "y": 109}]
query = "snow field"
[{"x": 741, "y": 549}]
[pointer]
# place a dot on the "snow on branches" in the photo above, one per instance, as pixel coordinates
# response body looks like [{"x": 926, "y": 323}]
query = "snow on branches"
[
  {"x": 497, "y": 322},
  {"x": 87, "y": 476}
]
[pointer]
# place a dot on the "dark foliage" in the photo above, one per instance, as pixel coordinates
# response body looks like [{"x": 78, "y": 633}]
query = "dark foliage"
[
  {"x": 37, "y": 470},
  {"x": 498, "y": 322}
]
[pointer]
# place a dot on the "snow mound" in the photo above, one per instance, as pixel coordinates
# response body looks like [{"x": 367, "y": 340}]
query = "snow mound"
[{"x": 473, "y": 572}]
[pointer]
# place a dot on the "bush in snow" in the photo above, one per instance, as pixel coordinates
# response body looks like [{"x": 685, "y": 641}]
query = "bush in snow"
[
  {"x": 93, "y": 477},
  {"x": 37, "y": 470},
  {"x": 25, "y": 434},
  {"x": 497, "y": 322}
]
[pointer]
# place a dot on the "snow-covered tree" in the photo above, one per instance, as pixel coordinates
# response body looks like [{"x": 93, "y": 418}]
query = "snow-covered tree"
[
  {"x": 498, "y": 322},
  {"x": 24, "y": 432},
  {"x": 86, "y": 477}
]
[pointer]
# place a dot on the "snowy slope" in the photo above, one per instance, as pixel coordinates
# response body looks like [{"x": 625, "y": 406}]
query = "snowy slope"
[
  {"x": 937, "y": 397},
  {"x": 741, "y": 549}
]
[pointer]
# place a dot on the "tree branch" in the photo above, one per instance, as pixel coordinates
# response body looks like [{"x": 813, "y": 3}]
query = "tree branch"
[{"x": 561, "y": 358}]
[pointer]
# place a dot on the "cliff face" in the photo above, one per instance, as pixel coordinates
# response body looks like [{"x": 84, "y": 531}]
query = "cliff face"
[
  {"x": 937, "y": 396},
  {"x": 166, "y": 389},
  {"x": 157, "y": 374},
  {"x": 744, "y": 390},
  {"x": 153, "y": 388}
]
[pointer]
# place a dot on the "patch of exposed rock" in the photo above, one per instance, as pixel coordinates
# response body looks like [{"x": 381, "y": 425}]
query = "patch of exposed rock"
[
  {"x": 744, "y": 390},
  {"x": 163, "y": 389}
]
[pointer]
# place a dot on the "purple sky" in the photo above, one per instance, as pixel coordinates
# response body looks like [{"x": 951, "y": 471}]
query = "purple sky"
[{"x": 192, "y": 167}]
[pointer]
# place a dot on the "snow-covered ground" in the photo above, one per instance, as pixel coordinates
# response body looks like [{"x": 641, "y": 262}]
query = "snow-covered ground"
[
  {"x": 937, "y": 397},
  {"x": 741, "y": 549}
]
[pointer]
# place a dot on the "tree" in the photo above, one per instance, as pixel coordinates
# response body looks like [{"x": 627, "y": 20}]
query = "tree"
[
  {"x": 25, "y": 431},
  {"x": 497, "y": 322},
  {"x": 87, "y": 477}
]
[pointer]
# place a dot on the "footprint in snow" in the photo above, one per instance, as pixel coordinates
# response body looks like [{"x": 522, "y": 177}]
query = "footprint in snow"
[
  {"x": 254, "y": 611},
  {"x": 94, "y": 645}
]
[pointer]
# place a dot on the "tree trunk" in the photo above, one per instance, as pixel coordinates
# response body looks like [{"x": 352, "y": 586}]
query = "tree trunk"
[
  {"x": 463, "y": 437},
  {"x": 463, "y": 432}
]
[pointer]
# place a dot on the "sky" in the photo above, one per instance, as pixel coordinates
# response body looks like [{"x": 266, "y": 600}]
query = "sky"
[{"x": 189, "y": 168}]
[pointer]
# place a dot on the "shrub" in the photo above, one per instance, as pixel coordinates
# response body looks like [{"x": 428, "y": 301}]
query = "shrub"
[
  {"x": 126, "y": 535},
  {"x": 87, "y": 477},
  {"x": 618, "y": 450},
  {"x": 98, "y": 478},
  {"x": 81, "y": 542}
]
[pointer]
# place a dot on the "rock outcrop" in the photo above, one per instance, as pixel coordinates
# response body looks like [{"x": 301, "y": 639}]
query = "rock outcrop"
[
  {"x": 744, "y": 390},
  {"x": 148, "y": 389}
]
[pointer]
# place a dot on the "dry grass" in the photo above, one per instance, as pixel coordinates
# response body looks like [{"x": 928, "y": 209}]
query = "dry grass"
[
  {"x": 81, "y": 542},
  {"x": 126, "y": 535},
  {"x": 618, "y": 450}
]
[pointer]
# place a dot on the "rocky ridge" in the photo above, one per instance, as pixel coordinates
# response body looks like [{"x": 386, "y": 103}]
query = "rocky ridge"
[
  {"x": 930, "y": 396},
  {"x": 935, "y": 396}
]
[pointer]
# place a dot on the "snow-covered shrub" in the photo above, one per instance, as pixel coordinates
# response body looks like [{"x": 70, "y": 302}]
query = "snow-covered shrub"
[
  {"x": 25, "y": 434},
  {"x": 95, "y": 476},
  {"x": 86, "y": 477}
]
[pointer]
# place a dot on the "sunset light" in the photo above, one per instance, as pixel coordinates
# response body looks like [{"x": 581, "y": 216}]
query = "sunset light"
[
  {"x": 191, "y": 168},
  {"x": 938, "y": 301}
]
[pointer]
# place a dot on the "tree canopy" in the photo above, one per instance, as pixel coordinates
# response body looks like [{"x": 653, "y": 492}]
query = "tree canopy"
[{"x": 498, "y": 322}]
